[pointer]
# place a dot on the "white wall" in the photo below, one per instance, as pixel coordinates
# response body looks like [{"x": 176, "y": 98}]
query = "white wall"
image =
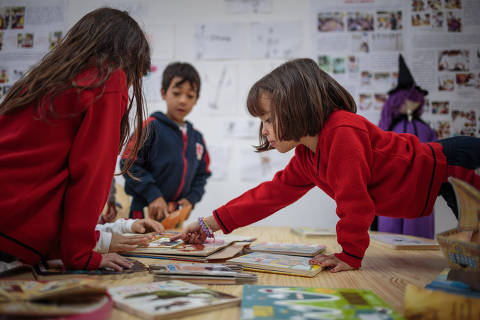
[{"x": 171, "y": 25}]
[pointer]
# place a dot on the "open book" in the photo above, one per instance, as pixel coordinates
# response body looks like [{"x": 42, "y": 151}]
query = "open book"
[
  {"x": 54, "y": 299},
  {"x": 304, "y": 250},
  {"x": 169, "y": 299},
  {"x": 277, "y": 263}
]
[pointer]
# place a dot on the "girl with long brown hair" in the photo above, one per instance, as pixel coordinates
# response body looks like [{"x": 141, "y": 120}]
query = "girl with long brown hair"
[
  {"x": 61, "y": 129},
  {"x": 366, "y": 170}
]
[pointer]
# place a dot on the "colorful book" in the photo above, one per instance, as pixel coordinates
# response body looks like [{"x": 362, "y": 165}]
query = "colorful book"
[
  {"x": 202, "y": 273},
  {"x": 399, "y": 242},
  {"x": 274, "y": 302},
  {"x": 169, "y": 299},
  {"x": 277, "y": 263},
  {"x": 313, "y": 232},
  {"x": 55, "y": 270},
  {"x": 304, "y": 250},
  {"x": 73, "y": 298}
]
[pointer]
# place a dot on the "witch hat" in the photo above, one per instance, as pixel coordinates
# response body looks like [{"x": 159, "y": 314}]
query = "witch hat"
[{"x": 405, "y": 78}]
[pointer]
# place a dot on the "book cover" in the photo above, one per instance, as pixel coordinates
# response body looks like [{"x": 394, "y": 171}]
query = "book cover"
[
  {"x": 205, "y": 273},
  {"x": 168, "y": 299},
  {"x": 313, "y": 232},
  {"x": 54, "y": 298},
  {"x": 275, "y": 302},
  {"x": 277, "y": 263},
  {"x": 398, "y": 241},
  {"x": 55, "y": 270},
  {"x": 304, "y": 250}
]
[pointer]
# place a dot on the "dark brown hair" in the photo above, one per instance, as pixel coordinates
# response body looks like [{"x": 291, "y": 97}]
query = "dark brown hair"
[
  {"x": 106, "y": 39},
  {"x": 185, "y": 71},
  {"x": 302, "y": 97}
]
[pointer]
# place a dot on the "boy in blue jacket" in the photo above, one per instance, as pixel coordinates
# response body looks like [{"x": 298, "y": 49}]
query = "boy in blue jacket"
[{"x": 172, "y": 167}]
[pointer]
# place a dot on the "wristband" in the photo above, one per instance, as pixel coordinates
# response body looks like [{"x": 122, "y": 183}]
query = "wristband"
[{"x": 206, "y": 228}]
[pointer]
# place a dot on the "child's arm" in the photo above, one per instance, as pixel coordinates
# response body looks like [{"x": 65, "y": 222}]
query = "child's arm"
[
  {"x": 91, "y": 163},
  {"x": 348, "y": 175},
  {"x": 286, "y": 187}
]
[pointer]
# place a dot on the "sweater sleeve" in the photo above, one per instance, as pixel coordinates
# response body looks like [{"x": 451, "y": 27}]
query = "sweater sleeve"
[
  {"x": 145, "y": 185},
  {"x": 91, "y": 164},
  {"x": 200, "y": 178},
  {"x": 258, "y": 203},
  {"x": 119, "y": 226},
  {"x": 348, "y": 174}
]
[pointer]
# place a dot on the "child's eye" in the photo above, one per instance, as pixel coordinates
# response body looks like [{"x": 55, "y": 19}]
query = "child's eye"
[
  {"x": 176, "y": 94},
  {"x": 191, "y": 97}
]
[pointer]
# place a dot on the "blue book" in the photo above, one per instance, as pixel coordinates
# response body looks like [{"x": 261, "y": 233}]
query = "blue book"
[{"x": 456, "y": 287}]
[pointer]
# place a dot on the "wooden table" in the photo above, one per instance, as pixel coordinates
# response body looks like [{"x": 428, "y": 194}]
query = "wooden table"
[{"x": 384, "y": 271}]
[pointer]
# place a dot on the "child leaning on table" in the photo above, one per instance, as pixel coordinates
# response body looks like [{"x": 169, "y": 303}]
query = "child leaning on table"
[
  {"x": 61, "y": 129},
  {"x": 366, "y": 170}
]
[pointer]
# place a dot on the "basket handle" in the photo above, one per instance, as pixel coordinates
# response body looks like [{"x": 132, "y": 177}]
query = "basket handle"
[{"x": 468, "y": 204}]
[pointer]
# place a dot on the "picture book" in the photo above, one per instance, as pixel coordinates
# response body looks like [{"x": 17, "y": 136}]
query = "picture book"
[
  {"x": 305, "y": 250},
  {"x": 206, "y": 273},
  {"x": 54, "y": 298},
  {"x": 16, "y": 269},
  {"x": 313, "y": 232},
  {"x": 399, "y": 242},
  {"x": 169, "y": 299},
  {"x": 277, "y": 263},
  {"x": 163, "y": 246},
  {"x": 274, "y": 302},
  {"x": 55, "y": 270}
]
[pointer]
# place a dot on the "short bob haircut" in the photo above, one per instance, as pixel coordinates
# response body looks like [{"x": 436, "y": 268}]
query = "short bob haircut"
[{"x": 302, "y": 97}]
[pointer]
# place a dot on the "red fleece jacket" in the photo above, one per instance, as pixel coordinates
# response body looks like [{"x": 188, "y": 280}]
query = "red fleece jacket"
[
  {"x": 55, "y": 174},
  {"x": 366, "y": 170}
]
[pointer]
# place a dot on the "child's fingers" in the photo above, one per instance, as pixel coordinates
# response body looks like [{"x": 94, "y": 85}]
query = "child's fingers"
[
  {"x": 178, "y": 236},
  {"x": 126, "y": 247}
]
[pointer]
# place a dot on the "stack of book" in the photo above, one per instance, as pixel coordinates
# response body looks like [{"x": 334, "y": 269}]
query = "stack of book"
[
  {"x": 282, "y": 258},
  {"x": 206, "y": 273}
]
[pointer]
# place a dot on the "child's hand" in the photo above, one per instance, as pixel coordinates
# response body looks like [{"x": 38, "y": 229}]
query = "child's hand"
[
  {"x": 158, "y": 209},
  {"x": 147, "y": 225},
  {"x": 331, "y": 262},
  {"x": 184, "y": 202},
  {"x": 127, "y": 243},
  {"x": 192, "y": 233},
  {"x": 114, "y": 261}
]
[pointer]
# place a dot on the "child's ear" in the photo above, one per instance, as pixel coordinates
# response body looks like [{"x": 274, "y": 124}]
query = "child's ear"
[{"x": 162, "y": 91}]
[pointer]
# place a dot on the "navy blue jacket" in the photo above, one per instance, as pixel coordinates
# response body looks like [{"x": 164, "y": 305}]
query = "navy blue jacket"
[{"x": 170, "y": 164}]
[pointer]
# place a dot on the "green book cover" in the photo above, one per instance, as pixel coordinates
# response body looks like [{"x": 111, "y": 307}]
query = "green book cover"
[{"x": 274, "y": 302}]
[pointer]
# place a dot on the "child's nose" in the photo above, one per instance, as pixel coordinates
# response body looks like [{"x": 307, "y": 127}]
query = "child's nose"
[{"x": 264, "y": 131}]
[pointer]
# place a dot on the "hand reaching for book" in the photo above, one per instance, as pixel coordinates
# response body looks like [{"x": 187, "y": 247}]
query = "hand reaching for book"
[
  {"x": 192, "y": 233},
  {"x": 331, "y": 262},
  {"x": 147, "y": 225},
  {"x": 114, "y": 261},
  {"x": 128, "y": 243}
]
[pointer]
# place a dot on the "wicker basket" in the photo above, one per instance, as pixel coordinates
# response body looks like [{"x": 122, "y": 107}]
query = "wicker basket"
[{"x": 461, "y": 245}]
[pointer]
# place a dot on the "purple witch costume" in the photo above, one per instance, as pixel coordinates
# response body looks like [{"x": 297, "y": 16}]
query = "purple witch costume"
[{"x": 395, "y": 119}]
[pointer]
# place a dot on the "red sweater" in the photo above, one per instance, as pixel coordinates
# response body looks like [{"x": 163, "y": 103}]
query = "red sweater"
[
  {"x": 55, "y": 174},
  {"x": 366, "y": 170}
]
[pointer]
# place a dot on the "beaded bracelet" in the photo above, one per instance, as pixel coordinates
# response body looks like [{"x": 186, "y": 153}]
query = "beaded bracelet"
[{"x": 206, "y": 228}]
